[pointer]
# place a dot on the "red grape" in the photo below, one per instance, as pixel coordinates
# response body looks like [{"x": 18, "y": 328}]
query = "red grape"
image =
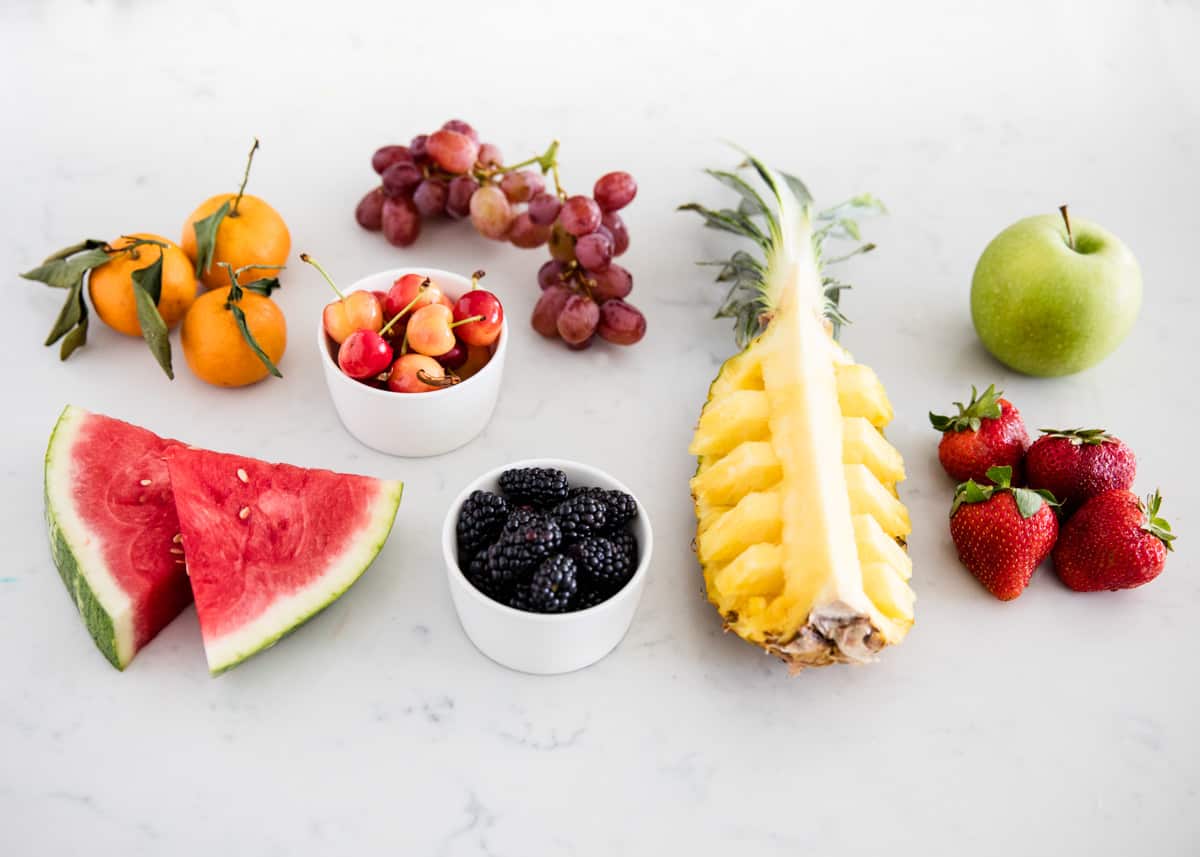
[
  {"x": 462, "y": 128},
  {"x": 491, "y": 213},
  {"x": 418, "y": 149},
  {"x": 430, "y": 197},
  {"x": 525, "y": 233},
  {"x": 594, "y": 252},
  {"x": 579, "y": 215},
  {"x": 369, "y": 212},
  {"x": 578, "y": 319},
  {"x": 452, "y": 151},
  {"x": 621, "y": 323},
  {"x": 543, "y": 208},
  {"x": 489, "y": 155},
  {"x": 616, "y": 227},
  {"x": 546, "y": 310},
  {"x": 458, "y": 199},
  {"x": 562, "y": 244},
  {"x": 401, "y": 222},
  {"x": 550, "y": 274},
  {"x": 521, "y": 186},
  {"x": 615, "y": 282},
  {"x": 614, "y": 190},
  {"x": 401, "y": 179},
  {"x": 387, "y": 155}
]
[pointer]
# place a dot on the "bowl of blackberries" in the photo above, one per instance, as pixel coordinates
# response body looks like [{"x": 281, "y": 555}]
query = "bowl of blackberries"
[{"x": 546, "y": 561}]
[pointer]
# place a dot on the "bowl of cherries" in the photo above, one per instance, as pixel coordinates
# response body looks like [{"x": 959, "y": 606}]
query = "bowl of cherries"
[{"x": 413, "y": 358}]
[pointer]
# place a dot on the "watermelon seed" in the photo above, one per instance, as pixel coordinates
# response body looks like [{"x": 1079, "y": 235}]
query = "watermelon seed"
[
  {"x": 144, "y": 482},
  {"x": 245, "y": 513},
  {"x": 178, "y": 538},
  {"x": 177, "y": 550},
  {"x": 242, "y": 475}
]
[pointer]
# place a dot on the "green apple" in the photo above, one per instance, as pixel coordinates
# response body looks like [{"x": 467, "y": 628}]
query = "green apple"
[{"x": 1053, "y": 295}]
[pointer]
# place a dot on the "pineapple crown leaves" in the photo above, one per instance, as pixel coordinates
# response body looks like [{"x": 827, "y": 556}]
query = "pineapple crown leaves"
[
  {"x": 757, "y": 217},
  {"x": 1081, "y": 437},
  {"x": 970, "y": 416},
  {"x": 1154, "y": 525},
  {"x": 1029, "y": 501}
]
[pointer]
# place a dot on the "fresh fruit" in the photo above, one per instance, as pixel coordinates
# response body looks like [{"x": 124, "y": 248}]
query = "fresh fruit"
[
  {"x": 581, "y": 516},
  {"x": 541, "y": 487},
  {"x": 413, "y": 291},
  {"x": 429, "y": 330},
  {"x": 364, "y": 354},
  {"x": 235, "y": 336},
  {"x": 114, "y": 534},
  {"x": 349, "y": 313},
  {"x": 238, "y": 229},
  {"x": 478, "y": 316},
  {"x": 418, "y": 373},
  {"x": 480, "y": 521},
  {"x": 988, "y": 431},
  {"x": 111, "y": 288},
  {"x": 548, "y": 308},
  {"x": 603, "y": 563},
  {"x": 449, "y": 172},
  {"x": 801, "y": 535},
  {"x": 553, "y": 584},
  {"x": 1115, "y": 541},
  {"x": 269, "y": 546},
  {"x": 1077, "y": 464},
  {"x": 1002, "y": 533},
  {"x": 129, "y": 280},
  {"x": 456, "y": 357},
  {"x": 1053, "y": 295}
]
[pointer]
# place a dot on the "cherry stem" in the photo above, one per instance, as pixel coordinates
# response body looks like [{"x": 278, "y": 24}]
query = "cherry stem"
[
  {"x": 1062, "y": 209},
  {"x": 304, "y": 257},
  {"x": 470, "y": 320},
  {"x": 475, "y": 278},
  {"x": 447, "y": 380},
  {"x": 233, "y": 211},
  {"x": 399, "y": 315}
]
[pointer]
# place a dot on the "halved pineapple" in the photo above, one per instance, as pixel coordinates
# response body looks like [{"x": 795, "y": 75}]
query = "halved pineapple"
[{"x": 801, "y": 533}]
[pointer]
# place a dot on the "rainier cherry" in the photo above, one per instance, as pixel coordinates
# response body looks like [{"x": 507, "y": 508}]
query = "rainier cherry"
[
  {"x": 429, "y": 330},
  {"x": 405, "y": 290},
  {"x": 355, "y": 311},
  {"x": 478, "y": 315},
  {"x": 418, "y": 373}
]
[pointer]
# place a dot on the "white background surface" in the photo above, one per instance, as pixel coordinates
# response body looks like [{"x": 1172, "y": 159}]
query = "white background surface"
[{"x": 1059, "y": 723}]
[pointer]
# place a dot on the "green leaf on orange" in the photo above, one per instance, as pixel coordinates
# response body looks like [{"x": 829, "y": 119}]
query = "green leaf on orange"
[
  {"x": 206, "y": 237},
  {"x": 147, "y": 286}
]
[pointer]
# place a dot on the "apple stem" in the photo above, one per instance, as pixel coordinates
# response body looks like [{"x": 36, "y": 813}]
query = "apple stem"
[
  {"x": 1067, "y": 220},
  {"x": 304, "y": 257}
]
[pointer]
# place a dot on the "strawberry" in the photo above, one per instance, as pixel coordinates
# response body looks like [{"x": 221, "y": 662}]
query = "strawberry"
[
  {"x": 987, "y": 432},
  {"x": 1115, "y": 541},
  {"x": 1075, "y": 464},
  {"x": 1002, "y": 533}
]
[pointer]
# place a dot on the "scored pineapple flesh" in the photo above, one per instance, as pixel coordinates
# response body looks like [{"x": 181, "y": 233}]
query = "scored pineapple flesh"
[{"x": 796, "y": 491}]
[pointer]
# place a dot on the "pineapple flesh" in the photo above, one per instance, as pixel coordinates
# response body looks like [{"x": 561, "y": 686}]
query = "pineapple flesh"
[{"x": 801, "y": 532}]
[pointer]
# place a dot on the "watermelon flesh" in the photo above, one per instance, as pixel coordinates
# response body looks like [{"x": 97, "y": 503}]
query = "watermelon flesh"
[
  {"x": 114, "y": 533},
  {"x": 269, "y": 546}
]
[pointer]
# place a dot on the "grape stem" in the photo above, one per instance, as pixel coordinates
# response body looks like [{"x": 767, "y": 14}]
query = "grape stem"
[
  {"x": 233, "y": 211},
  {"x": 547, "y": 162},
  {"x": 304, "y": 257}
]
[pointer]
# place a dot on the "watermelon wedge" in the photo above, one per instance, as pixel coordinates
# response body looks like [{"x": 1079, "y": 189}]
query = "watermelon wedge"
[
  {"x": 113, "y": 529},
  {"x": 271, "y": 545}
]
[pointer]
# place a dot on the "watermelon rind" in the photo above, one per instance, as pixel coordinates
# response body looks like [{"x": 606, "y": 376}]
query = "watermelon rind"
[
  {"x": 290, "y": 612},
  {"x": 106, "y": 610}
]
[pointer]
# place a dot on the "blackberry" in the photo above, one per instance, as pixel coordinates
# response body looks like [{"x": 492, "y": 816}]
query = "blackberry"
[
  {"x": 527, "y": 539},
  {"x": 626, "y": 542},
  {"x": 586, "y": 598},
  {"x": 479, "y": 521},
  {"x": 519, "y": 598},
  {"x": 602, "y": 563},
  {"x": 542, "y": 487},
  {"x": 581, "y": 516},
  {"x": 553, "y": 585},
  {"x": 479, "y": 576},
  {"x": 622, "y": 508}
]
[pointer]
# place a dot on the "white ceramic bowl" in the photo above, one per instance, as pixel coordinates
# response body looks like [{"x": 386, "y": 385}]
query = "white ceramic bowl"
[
  {"x": 415, "y": 425},
  {"x": 545, "y": 644}
]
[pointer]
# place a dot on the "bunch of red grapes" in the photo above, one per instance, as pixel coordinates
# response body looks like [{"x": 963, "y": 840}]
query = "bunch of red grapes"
[{"x": 449, "y": 173}]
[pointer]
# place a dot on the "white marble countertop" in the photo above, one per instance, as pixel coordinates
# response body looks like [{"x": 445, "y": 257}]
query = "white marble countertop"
[{"x": 1058, "y": 723}]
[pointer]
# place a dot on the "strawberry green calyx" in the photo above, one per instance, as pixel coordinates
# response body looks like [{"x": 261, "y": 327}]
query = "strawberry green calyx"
[
  {"x": 971, "y": 416},
  {"x": 1080, "y": 436},
  {"x": 1156, "y": 526},
  {"x": 1029, "y": 500}
]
